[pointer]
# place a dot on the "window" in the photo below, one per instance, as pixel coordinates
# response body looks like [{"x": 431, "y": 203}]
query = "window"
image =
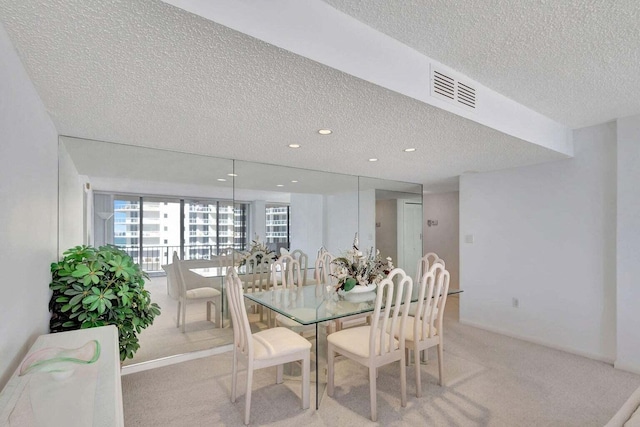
[
  {"x": 277, "y": 226},
  {"x": 199, "y": 229}
]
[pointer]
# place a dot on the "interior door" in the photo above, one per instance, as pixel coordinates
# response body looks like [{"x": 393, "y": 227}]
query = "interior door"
[{"x": 411, "y": 236}]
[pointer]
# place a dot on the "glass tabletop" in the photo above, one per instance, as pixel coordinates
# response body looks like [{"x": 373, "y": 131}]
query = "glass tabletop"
[{"x": 312, "y": 304}]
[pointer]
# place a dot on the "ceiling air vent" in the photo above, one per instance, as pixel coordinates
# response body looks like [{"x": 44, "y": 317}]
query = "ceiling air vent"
[{"x": 446, "y": 87}]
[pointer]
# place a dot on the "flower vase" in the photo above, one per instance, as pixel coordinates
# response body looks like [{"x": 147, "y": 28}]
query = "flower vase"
[{"x": 360, "y": 293}]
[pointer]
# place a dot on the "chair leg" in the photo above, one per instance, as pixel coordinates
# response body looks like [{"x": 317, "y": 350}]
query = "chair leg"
[
  {"x": 407, "y": 356},
  {"x": 279, "y": 371},
  {"x": 219, "y": 313},
  {"x": 306, "y": 373},
  {"x": 330, "y": 368},
  {"x": 403, "y": 383},
  {"x": 247, "y": 404},
  {"x": 416, "y": 356},
  {"x": 372, "y": 393},
  {"x": 184, "y": 314},
  {"x": 234, "y": 376},
  {"x": 209, "y": 304},
  {"x": 178, "y": 315},
  {"x": 440, "y": 362}
]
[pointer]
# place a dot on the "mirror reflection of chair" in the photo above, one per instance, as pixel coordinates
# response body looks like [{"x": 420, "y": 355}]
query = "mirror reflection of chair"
[
  {"x": 425, "y": 329},
  {"x": 286, "y": 271},
  {"x": 270, "y": 347},
  {"x": 212, "y": 296},
  {"x": 323, "y": 268},
  {"x": 373, "y": 345},
  {"x": 425, "y": 263},
  {"x": 257, "y": 275},
  {"x": 303, "y": 261}
]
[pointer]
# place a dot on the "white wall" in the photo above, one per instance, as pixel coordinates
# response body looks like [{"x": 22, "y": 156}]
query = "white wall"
[
  {"x": 258, "y": 222},
  {"x": 306, "y": 224},
  {"x": 29, "y": 214},
  {"x": 366, "y": 202},
  {"x": 71, "y": 198},
  {"x": 545, "y": 234},
  {"x": 341, "y": 221},
  {"x": 628, "y": 245},
  {"x": 444, "y": 238}
]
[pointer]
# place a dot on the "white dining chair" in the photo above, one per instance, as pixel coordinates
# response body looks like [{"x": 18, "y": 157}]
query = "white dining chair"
[
  {"x": 212, "y": 296},
  {"x": 322, "y": 273},
  {"x": 425, "y": 329},
  {"x": 372, "y": 345},
  {"x": 269, "y": 347},
  {"x": 257, "y": 276},
  {"x": 425, "y": 263},
  {"x": 285, "y": 274},
  {"x": 303, "y": 261}
]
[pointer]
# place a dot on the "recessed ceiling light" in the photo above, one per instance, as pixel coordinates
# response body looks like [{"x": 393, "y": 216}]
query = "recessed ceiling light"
[
  {"x": 280, "y": 185},
  {"x": 221, "y": 179},
  {"x": 409, "y": 150},
  {"x": 294, "y": 181},
  {"x": 325, "y": 131},
  {"x": 294, "y": 145},
  {"x": 373, "y": 160},
  {"x": 232, "y": 174}
]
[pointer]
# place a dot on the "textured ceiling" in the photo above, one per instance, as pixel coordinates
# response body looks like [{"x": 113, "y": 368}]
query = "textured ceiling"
[
  {"x": 146, "y": 73},
  {"x": 575, "y": 61}
]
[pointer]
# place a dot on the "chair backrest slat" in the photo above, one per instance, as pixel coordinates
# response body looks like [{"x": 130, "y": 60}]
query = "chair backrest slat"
[
  {"x": 177, "y": 268},
  {"x": 303, "y": 261},
  {"x": 288, "y": 269},
  {"x": 242, "y": 338},
  {"x": 258, "y": 271},
  {"x": 390, "y": 313},
  {"x": 323, "y": 267},
  {"x": 434, "y": 287},
  {"x": 425, "y": 263}
]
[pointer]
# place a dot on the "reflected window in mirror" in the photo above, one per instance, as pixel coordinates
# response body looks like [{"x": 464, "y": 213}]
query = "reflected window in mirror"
[
  {"x": 151, "y": 228},
  {"x": 277, "y": 226}
]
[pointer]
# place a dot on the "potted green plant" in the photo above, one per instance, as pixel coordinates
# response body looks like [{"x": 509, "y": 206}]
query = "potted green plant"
[{"x": 96, "y": 287}]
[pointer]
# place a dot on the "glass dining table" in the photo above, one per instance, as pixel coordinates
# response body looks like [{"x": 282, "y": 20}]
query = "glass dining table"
[
  {"x": 221, "y": 274},
  {"x": 318, "y": 305}
]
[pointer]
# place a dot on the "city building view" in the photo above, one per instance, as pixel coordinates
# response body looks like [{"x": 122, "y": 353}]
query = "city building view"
[{"x": 151, "y": 229}]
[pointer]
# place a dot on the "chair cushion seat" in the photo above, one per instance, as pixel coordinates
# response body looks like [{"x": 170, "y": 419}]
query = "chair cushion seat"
[
  {"x": 408, "y": 334},
  {"x": 198, "y": 293},
  {"x": 356, "y": 341},
  {"x": 276, "y": 342}
]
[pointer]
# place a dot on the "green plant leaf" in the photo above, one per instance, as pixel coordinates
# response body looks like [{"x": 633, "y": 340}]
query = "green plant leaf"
[
  {"x": 349, "y": 284},
  {"x": 90, "y": 299}
]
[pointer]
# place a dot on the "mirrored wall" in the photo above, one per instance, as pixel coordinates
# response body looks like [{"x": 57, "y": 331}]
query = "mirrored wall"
[{"x": 153, "y": 203}]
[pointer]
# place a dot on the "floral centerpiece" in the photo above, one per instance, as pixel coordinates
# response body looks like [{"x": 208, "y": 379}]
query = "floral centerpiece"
[
  {"x": 356, "y": 268},
  {"x": 257, "y": 246}
]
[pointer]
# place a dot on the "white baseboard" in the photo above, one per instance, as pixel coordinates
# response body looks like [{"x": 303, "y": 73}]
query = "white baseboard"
[
  {"x": 597, "y": 357},
  {"x": 634, "y": 369},
  {"x": 171, "y": 360}
]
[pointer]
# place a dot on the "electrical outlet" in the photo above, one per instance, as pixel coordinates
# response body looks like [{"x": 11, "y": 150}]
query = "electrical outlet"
[{"x": 515, "y": 302}]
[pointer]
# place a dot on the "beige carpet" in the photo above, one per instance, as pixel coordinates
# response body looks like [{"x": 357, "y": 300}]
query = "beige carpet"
[
  {"x": 491, "y": 380},
  {"x": 164, "y": 339}
]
